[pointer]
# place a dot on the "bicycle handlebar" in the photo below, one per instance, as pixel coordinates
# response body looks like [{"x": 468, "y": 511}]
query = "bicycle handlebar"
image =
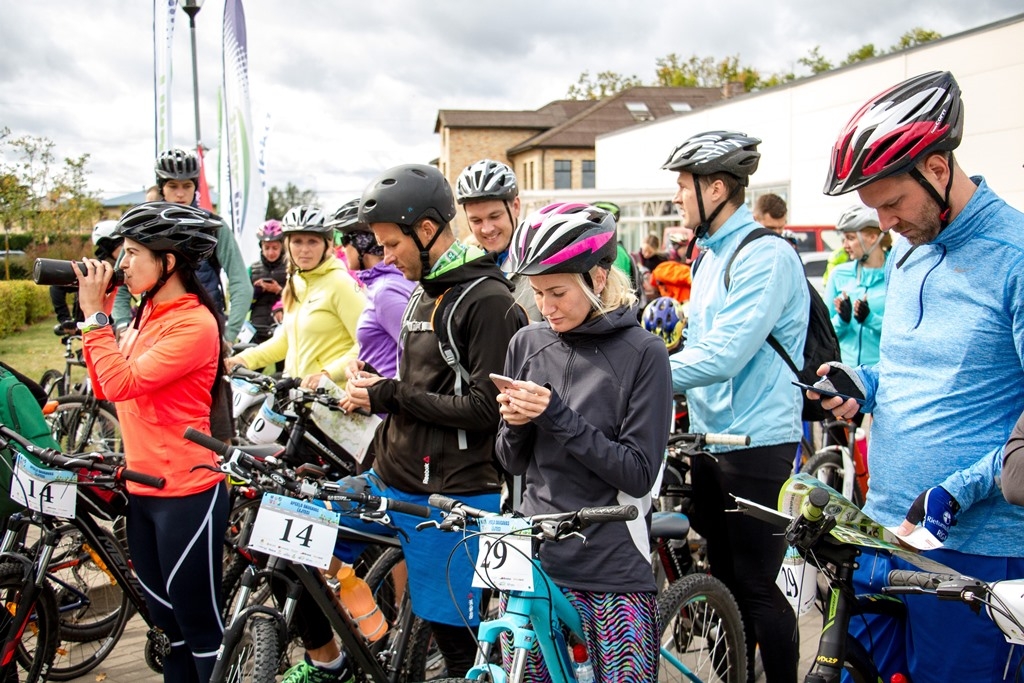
[
  {"x": 324, "y": 490},
  {"x": 583, "y": 517},
  {"x": 700, "y": 440},
  {"x": 915, "y": 579},
  {"x": 612, "y": 513},
  {"x": 92, "y": 461}
]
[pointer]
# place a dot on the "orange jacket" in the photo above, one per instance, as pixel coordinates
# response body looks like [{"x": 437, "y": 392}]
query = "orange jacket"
[{"x": 160, "y": 380}]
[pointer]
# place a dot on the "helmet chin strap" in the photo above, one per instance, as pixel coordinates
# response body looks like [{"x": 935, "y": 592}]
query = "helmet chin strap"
[
  {"x": 864, "y": 248},
  {"x": 943, "y": 201},
  {"x": 148, "y": 295},
  {"x": 706, "y": 221},
  {"x": 423, "y": 249}
]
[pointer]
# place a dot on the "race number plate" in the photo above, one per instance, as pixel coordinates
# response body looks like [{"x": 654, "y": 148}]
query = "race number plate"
[
  {"x": 295, "y": 530},
  {"x": 504, "y": 561},
  {"x": 50, "y": 491}
]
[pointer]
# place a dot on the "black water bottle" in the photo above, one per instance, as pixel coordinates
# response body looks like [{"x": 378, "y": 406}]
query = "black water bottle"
[{"x": 48, "y": 271}]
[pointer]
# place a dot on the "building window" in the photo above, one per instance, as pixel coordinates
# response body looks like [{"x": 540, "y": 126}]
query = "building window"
[
  {"x": 588, "y": 174},
  {"x": 640, "y": 111},
  {"x": 563, "y": 174}
]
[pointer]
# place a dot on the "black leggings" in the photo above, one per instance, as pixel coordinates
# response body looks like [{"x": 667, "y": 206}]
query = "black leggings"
[
  {"x": 176, "y": 546},
  {"x": 745, "y": 553}
]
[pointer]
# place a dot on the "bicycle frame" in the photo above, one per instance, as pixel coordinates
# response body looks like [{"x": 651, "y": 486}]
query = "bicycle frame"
[{"x": 528, "y": 619}]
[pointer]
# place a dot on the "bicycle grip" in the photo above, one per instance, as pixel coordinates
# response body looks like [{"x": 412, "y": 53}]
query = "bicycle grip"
[
  {"x": 408, "y": 508},
  {"x": 245, "y": 373},
  {"x": 207, "y": 441},
  {"x": 140, "y": 478},
  {"x": 926, "y": 580},
  {"x": 727, "y": 439},
  {"x": 443, "y": 502},
  {"x": 611, "y": 513}
]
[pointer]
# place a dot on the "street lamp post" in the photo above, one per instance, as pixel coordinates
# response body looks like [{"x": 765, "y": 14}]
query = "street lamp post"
[{"x": 192, "y": 8}]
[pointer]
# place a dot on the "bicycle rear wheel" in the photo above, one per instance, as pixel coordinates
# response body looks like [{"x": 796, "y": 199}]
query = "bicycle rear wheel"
[
  {"x": 85, "y": 424},
  {"x": 38, "y": 642},
  {"x": 702, "y": 630}
]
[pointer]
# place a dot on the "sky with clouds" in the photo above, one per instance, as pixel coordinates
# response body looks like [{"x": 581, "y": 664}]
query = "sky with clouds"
[{"x": 354, "y": 87}]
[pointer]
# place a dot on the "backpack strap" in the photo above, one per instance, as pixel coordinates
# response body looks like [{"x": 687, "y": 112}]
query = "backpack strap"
[{"x": 754, "y": 234}]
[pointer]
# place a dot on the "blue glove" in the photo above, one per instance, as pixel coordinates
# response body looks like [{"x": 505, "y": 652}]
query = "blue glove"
[{"x": 936, "y": 510}]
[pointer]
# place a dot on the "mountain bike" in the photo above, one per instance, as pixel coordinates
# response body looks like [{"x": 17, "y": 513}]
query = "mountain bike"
[
  {"x": 698, "y": 644},
  {"x": 258, "y": 627},
  {"x": 37, "y": 596},
  {"x": 56, "y": 383}
]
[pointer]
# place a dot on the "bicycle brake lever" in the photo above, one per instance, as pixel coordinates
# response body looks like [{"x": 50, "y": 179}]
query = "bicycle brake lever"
[{"x": 429, "y": 523}]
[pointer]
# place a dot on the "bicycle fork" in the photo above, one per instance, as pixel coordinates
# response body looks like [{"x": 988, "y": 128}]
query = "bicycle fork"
[{"x": 22, "y": 611}]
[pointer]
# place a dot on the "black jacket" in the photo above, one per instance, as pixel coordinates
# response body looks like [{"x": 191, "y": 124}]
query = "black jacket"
[
  {"x": 262, "y": 300},
  {"x": 417, "y": 448},
  {"x": 600, "y": 441}
]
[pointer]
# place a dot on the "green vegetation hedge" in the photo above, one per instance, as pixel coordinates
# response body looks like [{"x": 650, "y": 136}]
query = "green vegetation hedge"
[{"x": 22, "y": 302}]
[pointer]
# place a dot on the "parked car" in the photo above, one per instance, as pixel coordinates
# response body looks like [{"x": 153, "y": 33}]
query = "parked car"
[
  {"x": 815, "y": 263},
  {"x": 13, "y": 253}
]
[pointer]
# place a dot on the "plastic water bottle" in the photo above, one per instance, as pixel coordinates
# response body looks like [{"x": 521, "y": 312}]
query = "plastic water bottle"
[
  {"x": 357, "y": 598},
  {"x": 581, "y": 664}
]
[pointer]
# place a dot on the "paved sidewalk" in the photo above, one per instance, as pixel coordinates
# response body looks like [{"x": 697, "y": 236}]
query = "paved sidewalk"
[{"x": 126, "y": 663}]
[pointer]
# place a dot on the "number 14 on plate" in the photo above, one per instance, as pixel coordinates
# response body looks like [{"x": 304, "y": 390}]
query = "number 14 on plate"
[{"x": 295, "y": 530}]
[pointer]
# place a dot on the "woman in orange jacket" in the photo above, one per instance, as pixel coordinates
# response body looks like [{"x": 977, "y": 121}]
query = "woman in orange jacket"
[{"x": 161, "y": 378}]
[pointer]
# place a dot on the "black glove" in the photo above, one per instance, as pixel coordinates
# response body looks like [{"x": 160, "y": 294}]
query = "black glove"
[
  {"x": 845, "y": 309},
  {"x": 936, "y": 510},
  {"x": 861, "y": 310}
]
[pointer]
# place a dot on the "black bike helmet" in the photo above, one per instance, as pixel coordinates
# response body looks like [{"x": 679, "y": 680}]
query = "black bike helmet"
[
  {"x": 486, "y": 179},
  {"x": 346, "y": 219},
  {"x": 177, "y": 164},
  {"x": 405, "y": 195},
  {"x": 718, "y": 151},
  {"x": 187, "y": 231},
  {"x": 563, "y": 238},
  {"x": 305, "y": 218}
]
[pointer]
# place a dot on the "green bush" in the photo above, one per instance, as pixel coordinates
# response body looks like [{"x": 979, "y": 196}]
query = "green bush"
[{"x": 22, "y": 302}]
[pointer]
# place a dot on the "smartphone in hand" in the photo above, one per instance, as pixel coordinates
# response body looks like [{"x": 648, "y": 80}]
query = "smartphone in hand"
[
  {"x": 503, "y": 383},
  {"x": 826, "y": 392}
]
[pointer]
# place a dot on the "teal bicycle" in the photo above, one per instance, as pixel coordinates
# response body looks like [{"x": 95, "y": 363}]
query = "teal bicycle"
[{"x": 540, "y": 614}]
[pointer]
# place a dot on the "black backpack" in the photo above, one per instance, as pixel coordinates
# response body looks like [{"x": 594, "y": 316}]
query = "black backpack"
[{"x": 821, "y": 344}]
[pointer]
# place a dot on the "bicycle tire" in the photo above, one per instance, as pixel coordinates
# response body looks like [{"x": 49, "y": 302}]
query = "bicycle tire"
[
  {"x": 257, "y": 655},
  {"x": 51, "y": 382},
  {"x": 858, "y": 663},
  {"x": 38, "y": 644},
  {"x": 702, "y": 627},
  {"x": 391, "y": 591},
  {"x": 85, "y": 424},
  {"x": 827, "y": 466}
]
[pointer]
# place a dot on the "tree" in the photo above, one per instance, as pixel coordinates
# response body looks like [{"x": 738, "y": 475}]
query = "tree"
[
  {"x": 914, "y": 37},
  {"x": 605, "y": 84},
  {"x": 279, "y": 201},
  {"x": 866, "y": 51},
  {"x": 815, "y": 61}
]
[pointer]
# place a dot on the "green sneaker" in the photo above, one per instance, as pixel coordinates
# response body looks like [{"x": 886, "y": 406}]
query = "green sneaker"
[{"x": 304, "y": 672}]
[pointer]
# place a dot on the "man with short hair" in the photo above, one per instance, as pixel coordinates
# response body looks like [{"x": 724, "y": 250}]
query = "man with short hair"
[
  {"x": 439, "y": 432},
  {"x": 736, "y": 383},
  {"x": 949, "y": 385},
  {"x": 770, "y": 211},
  {"x": 489, "y": 194}
]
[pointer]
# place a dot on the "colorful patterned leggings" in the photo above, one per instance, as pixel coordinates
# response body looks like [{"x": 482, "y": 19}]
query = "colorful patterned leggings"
[{"x": 622, "y": 632}]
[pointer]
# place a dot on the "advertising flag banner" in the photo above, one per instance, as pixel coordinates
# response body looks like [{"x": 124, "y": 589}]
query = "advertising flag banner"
[
  {"x": 243, "y": 197},
  {"x": 163, "y": 35}
]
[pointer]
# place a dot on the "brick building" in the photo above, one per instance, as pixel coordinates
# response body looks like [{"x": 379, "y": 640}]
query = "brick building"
[{"x": 552, "y": 148}]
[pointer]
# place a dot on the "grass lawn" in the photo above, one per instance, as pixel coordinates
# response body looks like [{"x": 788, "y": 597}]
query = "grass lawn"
[{"x": 34, "y": 349}]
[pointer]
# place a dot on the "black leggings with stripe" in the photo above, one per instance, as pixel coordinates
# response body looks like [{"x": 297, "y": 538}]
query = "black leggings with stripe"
[{"x": 176, "y": 546}]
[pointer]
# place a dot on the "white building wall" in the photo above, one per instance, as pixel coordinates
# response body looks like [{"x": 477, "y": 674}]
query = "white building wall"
[{"x": 798, "y": 123}]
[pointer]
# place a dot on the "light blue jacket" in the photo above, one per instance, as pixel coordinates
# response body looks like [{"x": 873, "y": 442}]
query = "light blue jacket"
[
  {"x": 734, "y": 381},
  {"x": 950, "y": 383},
  {"x": 858, "y": 341}
]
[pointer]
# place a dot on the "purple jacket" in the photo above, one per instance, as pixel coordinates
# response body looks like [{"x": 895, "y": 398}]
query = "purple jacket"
[{"x": 387, "y": 293}]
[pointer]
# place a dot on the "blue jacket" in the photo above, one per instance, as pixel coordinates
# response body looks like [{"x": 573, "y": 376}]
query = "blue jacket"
[
  {"x": 858, "y": 341},
  {"x": 950, "y": 383},
  {"x": 734, "y": 381}
]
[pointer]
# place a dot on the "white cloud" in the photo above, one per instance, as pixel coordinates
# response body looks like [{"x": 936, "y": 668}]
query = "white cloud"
[{"x": 354, "y": 87}]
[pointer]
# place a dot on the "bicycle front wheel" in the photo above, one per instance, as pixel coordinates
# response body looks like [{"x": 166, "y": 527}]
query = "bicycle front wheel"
[
  {"x": 827, "y": 466},
  {"x": 702, "y": 632},
  {"x": 85, "y": 424},
  {"x": 38, "y": 642},
  {"x": 257, "y": 655}
]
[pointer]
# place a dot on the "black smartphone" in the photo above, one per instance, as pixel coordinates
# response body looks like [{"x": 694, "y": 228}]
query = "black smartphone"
[{"x": 826, "y": 392}]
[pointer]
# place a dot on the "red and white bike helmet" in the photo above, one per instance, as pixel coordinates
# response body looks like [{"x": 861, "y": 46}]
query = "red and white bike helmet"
[
  {"x": 895, "y": 129},
  {"x": 563, "y": 238}
]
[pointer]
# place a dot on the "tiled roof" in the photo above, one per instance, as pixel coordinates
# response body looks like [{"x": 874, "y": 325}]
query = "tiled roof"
[{"x": 548, "y": 116}]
